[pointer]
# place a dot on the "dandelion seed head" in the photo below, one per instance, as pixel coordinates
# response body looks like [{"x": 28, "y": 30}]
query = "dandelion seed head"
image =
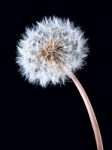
[{"x": 47, "y": 45}]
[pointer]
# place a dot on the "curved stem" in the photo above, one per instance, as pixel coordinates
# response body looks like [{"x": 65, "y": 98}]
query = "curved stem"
[{"x": 89, "y": 108}]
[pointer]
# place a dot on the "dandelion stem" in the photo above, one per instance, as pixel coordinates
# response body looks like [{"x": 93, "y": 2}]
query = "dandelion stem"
[{"x": 89, "y": 108}]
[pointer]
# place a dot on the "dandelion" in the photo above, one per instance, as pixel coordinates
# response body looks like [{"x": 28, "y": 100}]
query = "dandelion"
[{"x": 51, "y": 51}]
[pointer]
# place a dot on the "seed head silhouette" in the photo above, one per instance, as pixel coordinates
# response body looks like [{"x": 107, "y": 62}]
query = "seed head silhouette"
[{"x": 46, "y": 46}]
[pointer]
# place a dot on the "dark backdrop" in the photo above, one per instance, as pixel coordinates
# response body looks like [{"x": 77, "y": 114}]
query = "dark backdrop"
[{"x": 55, "y": 117}]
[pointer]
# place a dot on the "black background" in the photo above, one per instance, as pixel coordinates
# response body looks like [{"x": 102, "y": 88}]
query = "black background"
[{"x": 55, "y": 117}]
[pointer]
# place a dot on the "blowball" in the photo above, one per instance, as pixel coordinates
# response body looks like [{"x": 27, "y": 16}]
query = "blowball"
[{"x": 48, "y": 45}]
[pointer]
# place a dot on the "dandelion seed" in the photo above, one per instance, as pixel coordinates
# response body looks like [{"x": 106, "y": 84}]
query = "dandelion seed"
[{"x": 50, "y": 51}]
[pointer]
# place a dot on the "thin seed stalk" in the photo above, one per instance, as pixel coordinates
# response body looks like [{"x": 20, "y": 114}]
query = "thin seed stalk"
[{"x": 88, "y": 106}]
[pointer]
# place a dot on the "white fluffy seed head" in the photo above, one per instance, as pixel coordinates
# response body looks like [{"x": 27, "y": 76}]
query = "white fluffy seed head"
[{"x": 47, "y": 45}]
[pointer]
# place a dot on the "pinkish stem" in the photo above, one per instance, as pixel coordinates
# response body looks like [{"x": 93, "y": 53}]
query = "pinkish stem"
[{"x": 89, "y": 108}]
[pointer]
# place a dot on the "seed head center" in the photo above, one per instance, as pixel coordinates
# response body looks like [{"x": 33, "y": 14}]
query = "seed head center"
[{"x": 50, "y": 52}]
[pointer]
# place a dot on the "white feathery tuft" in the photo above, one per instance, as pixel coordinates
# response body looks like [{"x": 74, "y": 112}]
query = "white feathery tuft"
[{"x": 47, "y": 45}]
